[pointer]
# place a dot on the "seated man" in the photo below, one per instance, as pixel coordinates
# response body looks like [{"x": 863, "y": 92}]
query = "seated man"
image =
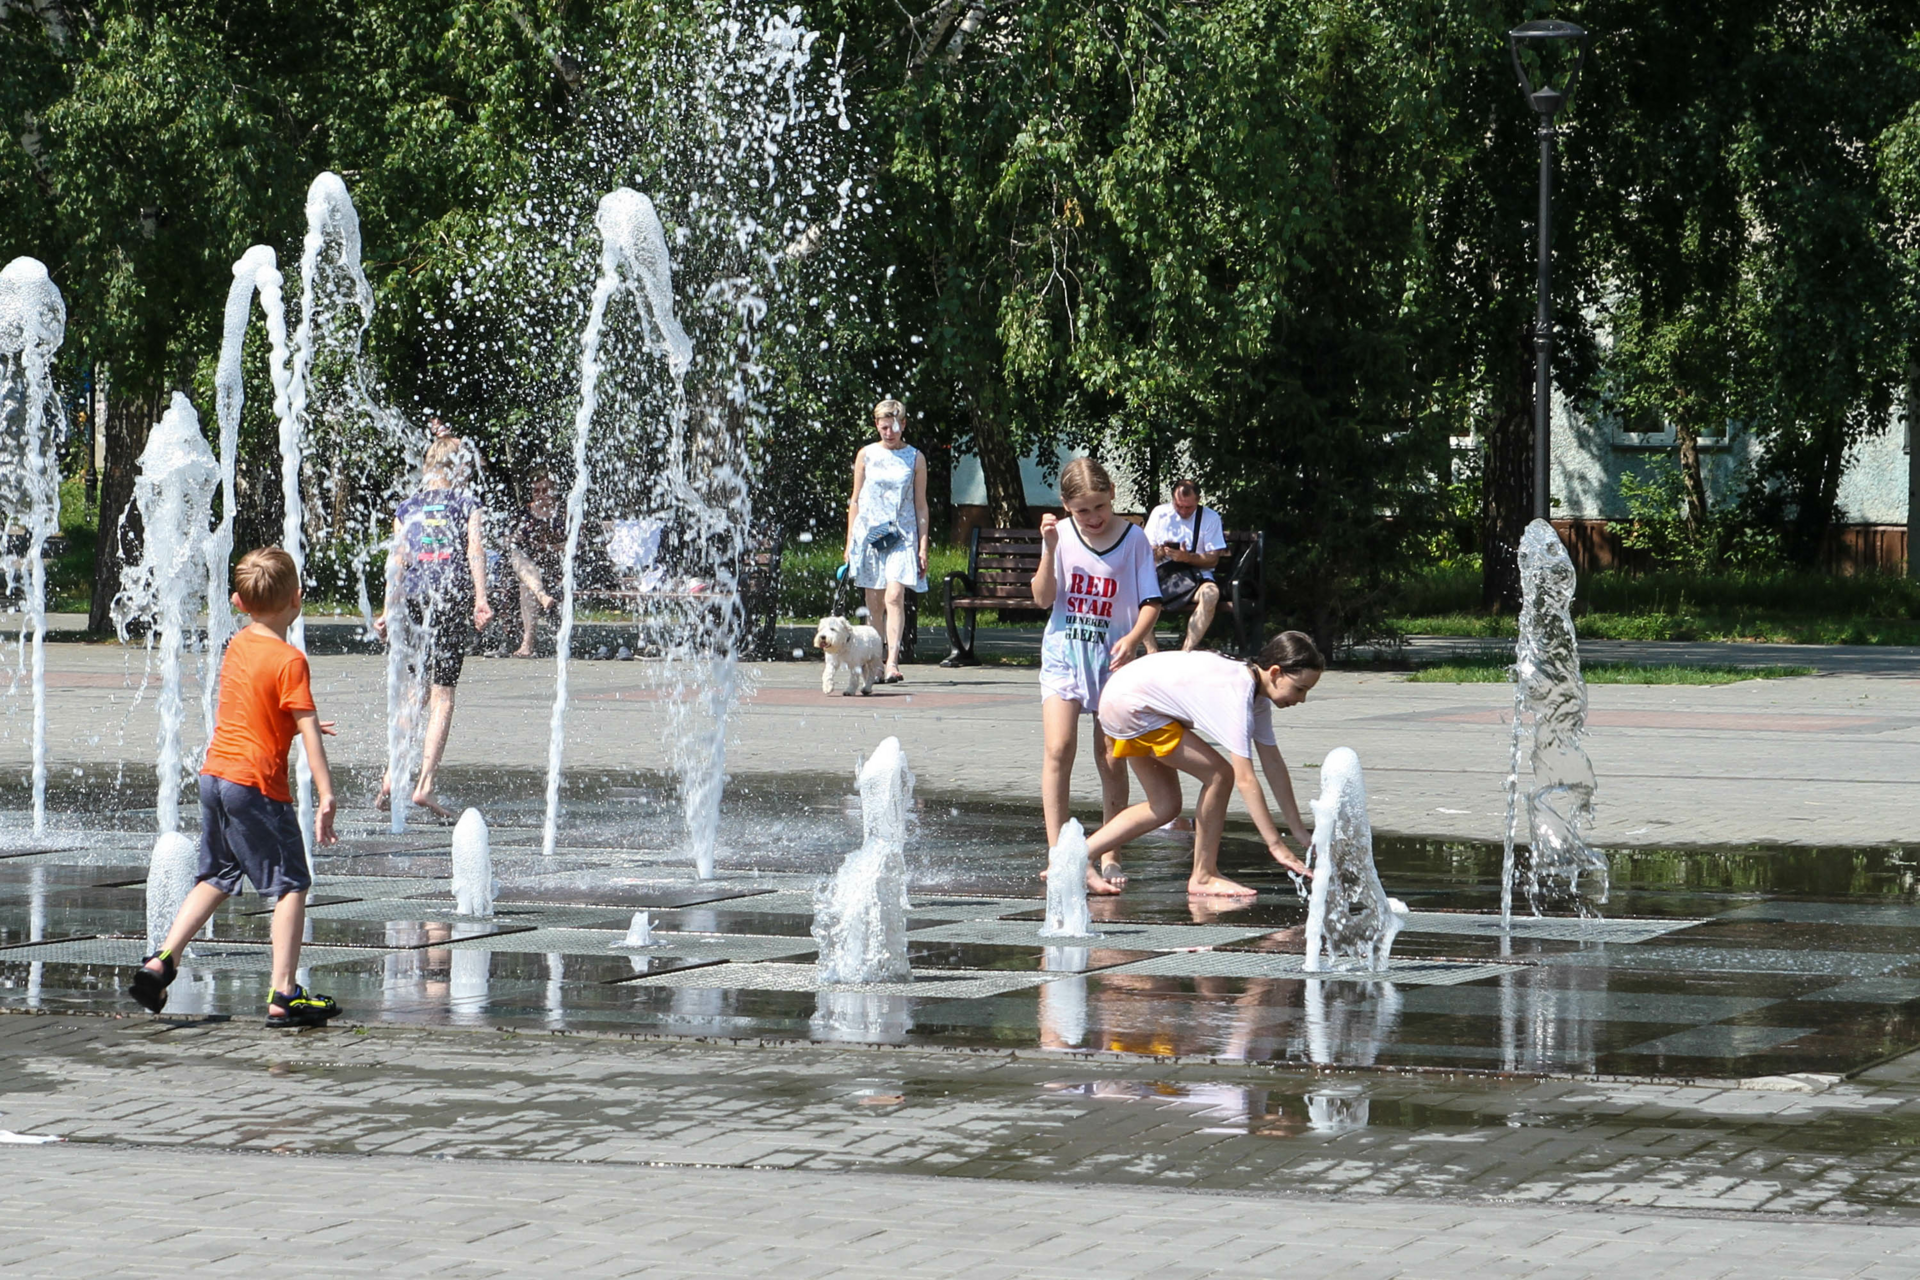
[{"x": 1187, "y": 541}]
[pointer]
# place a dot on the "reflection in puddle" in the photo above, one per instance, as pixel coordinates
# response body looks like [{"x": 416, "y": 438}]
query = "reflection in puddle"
[
  {"x": 861, "y": 1017},
  {"x": 1349, "y": 1023}
]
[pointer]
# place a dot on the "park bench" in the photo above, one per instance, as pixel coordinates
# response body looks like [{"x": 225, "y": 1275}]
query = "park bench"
[
  {"x": 662, "y": 609},
  {"x": 999, "y": 575}
]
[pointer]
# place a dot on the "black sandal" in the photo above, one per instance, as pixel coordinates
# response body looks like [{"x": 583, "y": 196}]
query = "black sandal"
[
  {"x": 149, "y": 989},
  {"x": 303, "y": 1008}
]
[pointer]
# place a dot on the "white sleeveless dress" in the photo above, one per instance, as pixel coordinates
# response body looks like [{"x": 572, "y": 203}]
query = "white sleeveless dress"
[{"x": 887, "y": 494}]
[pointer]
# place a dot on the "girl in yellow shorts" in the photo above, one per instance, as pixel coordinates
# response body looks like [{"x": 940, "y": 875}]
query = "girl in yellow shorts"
[{"x": 1157, "y": 709}]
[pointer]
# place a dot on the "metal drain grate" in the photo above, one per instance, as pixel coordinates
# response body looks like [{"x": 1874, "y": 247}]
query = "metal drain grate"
[
  {"x": 1274, "y": 964},
  {"x": 599, "y": 942},
  {"x": 943, "y": 984},
  {"x": 205, "y": 955},
  {"x": 1547, "y": 928},
  {"x": 1124, "y": 937}
]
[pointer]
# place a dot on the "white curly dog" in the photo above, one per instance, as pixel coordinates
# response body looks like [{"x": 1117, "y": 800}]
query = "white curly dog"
[{"x": 854, "y": 651}]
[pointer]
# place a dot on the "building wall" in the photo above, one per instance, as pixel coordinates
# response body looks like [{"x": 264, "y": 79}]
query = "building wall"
[{"x": 1590, "y": 456}]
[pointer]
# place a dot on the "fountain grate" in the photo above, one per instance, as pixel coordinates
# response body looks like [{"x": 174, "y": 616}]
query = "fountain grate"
[
  {"x": 1545, "y": 928},
  {"x": 599, "y": 942},
  {"x": 1276, "y": 964},
  {"x": 1126, "y": 937},
  {"x": 218, "y": 953},
  {"x": 943, "y": 984},
  {"x": 1711, "y": 959}
]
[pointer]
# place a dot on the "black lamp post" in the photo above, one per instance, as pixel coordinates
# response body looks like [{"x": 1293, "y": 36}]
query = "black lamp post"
[{"x": 1548, "y": 101}]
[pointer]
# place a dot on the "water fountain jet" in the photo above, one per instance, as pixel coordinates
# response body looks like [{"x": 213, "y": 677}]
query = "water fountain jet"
[
  {"x": 630, "y": 237},
  {"x": 860, "y": 914},
  {"x": 473, "y": 882},
  {"x": 256, "y": 274},
  {"x": 1549, "y": 717},
  {"x": 1351, "y": 922},
  {"x": 174, "y": 495},
  {"x": 33, "y": 323},
  {"x": 1067, "y": 912}
]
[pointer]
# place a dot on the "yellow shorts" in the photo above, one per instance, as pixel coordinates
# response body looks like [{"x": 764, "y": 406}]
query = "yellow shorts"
[{"x": 1154, "y": 742}]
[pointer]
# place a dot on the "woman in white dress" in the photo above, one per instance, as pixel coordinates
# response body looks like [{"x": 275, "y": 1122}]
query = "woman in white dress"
[{"x": 887, "y": 528}]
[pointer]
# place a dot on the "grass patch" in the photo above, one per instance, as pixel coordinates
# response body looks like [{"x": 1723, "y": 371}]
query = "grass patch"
[
  {"x": 1781, "y": 607},
  {"x": 1492, "y": 669}
]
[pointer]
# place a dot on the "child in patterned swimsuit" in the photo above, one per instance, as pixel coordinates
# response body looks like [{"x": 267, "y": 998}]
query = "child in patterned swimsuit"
[{"x": 1096, "y": 575}]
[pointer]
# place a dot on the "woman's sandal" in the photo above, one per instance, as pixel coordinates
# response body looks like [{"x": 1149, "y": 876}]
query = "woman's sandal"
[{"x": 149, "y": 989}]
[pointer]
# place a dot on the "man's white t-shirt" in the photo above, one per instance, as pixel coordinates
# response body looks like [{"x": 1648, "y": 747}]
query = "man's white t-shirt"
[
  {"x": 1166, "y": 525},
  {"x": 1208, "y": 692}
]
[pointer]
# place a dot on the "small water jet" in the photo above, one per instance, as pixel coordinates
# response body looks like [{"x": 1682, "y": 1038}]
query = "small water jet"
[
  {"x": 170, "y": 875},
  {"x": 1549, "y": 716},
  {"x": 1067, "y": 913},
  {"x": 33, "y": 323},
  {"x": 473, "y": 882},
  {"x": 860, "y": 913},
  {"x": 174, "y": 494},
  {"x": 1351, "y": 922},
  {"x": 639, "y": 933}
]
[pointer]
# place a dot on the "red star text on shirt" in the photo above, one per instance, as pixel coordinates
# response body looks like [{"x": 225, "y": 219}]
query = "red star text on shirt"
[{"x": 1091, "y": 595}]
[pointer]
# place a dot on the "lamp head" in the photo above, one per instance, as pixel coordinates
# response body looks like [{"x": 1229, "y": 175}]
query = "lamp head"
[{"x": 1539, "y": 37}]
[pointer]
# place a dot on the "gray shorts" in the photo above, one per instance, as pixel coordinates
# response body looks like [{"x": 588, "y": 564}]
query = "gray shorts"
[{"x": 245, "y": 832}]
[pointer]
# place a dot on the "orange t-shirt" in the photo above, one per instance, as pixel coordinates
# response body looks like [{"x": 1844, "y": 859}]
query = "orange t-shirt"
[{"x": 263, "y": 681}]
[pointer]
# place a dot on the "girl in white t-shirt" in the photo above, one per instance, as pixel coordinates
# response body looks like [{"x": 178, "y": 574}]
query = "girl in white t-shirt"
[
  {"x": 1096, "y": 575},
  {"x": 1156, "y": 712}
]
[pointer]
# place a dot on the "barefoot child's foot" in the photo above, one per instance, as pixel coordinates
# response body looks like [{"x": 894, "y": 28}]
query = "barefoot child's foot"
[
  {"x": 1217, "y": 887},
  {"x": 1097, "y": 884},
  {"x": 1112, "y": 872},
  {"x": 384, "y": 800},
  {"x": 427, "y": 801}
]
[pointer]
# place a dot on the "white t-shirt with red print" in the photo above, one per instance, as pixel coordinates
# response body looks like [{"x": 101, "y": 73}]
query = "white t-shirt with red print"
[{"x": 1098, "y": 601}]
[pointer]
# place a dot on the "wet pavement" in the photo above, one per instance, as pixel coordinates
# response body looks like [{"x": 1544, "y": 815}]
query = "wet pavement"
[
  {"x": 1709, "y": 965},
  {"x": 1732, "y": 1039}
]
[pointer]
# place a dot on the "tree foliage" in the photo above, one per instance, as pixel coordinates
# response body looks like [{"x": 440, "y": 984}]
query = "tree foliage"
[{"x": 1286, "y": 243}]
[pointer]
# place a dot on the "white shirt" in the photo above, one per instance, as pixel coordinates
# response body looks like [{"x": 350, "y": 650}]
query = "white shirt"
[
  {"x": 1208, "y": 692},
  {"x": 1166, "y": 525},
  {"x": 1097, "y": 601}
]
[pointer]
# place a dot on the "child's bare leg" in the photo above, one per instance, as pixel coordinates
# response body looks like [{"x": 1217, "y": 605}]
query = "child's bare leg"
[
  {"x": 439, "y": 725},
  {"x": 289, "y": 923},
  {"x": 1162, "y": 804},
  {"x": 1113, "y": 796},
  {"x": 527, "y": 620},
  {"x": 1216, "y": 785},
  {"x": 201, "y": 902},
  {"x": 1060, "y": 742}
]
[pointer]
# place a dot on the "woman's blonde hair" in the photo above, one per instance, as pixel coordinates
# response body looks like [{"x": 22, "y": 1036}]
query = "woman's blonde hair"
[
  {"x": 449, "y": 458},
  {"x": 891, "y": 409},
  {"x": 1083, "y": 476}
]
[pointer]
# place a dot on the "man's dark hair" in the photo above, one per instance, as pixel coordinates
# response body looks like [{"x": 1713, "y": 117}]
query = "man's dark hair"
[{"x": 1184, "y": 483}]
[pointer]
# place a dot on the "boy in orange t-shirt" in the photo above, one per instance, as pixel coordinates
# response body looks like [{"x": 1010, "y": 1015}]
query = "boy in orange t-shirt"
[{"x": 247, "y": 822}]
